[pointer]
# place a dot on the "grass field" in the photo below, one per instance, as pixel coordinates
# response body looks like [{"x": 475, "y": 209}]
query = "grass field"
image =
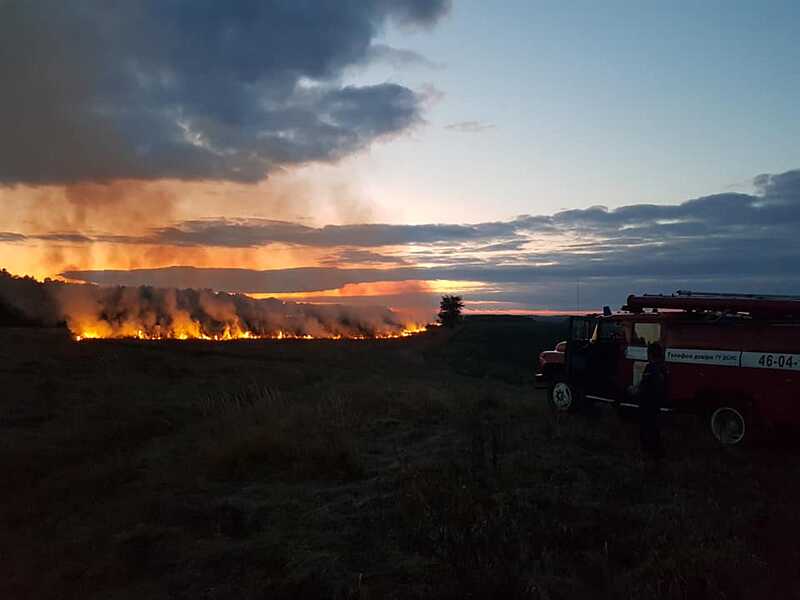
[{"x": 426, "y": 467}]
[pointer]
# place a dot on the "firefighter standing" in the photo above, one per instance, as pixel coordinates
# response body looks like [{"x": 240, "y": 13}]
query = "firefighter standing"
[{"x": 651, "y": 394}]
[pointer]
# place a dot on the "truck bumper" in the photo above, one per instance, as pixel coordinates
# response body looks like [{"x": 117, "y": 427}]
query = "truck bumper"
[{"x": 542, "y": 381}]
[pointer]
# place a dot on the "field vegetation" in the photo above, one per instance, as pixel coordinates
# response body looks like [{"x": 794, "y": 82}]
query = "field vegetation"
[{"x": 426, "y": 467}]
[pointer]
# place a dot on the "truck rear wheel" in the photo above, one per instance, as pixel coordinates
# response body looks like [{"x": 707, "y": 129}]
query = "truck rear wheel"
[
  {"x": 728, "y": 425},
  {"x": 563, "y": 397}
]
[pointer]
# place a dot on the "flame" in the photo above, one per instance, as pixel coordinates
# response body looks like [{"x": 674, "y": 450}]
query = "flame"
[{"x": 194, "y": 331}]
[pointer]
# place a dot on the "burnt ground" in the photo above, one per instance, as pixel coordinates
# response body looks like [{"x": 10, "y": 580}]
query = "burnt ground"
[{"x": 414, "y": 468}]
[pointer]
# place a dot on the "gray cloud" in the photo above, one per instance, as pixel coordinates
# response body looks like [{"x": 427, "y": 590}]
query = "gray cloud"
[
  {"x": 399, "y": 58},
  {"x": 75, "y": 238},
  {"x": 772, "y": 213},
  {"x": 198, "y": 89},
  {"x": 723, "y": 241},
  {"x": 244, "y": 233},
  {"x": 470, "y": 126},
  {"x": 355, "y": 255}
]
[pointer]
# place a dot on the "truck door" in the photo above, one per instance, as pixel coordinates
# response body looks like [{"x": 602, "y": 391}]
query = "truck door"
[
  {"x": 605, "y": 360},
  {"x": 576, "y": 358}
]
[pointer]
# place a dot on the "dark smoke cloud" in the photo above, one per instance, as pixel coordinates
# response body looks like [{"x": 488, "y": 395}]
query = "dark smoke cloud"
[{"x": 192, "y": 89}]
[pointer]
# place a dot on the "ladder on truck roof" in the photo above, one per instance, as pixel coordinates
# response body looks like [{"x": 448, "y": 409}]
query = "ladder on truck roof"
[
  {"x": 756, "y": 305},
  {"x": 689, "y": 293}
]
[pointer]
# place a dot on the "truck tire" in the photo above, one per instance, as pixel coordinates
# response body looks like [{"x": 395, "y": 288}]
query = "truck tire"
[
  {"x": 729, "y": 425},
  {"x": 564, "y": 397}
]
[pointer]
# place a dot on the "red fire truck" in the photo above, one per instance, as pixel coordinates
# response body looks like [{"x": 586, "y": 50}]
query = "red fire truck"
[{"x": 732, "y": 358}]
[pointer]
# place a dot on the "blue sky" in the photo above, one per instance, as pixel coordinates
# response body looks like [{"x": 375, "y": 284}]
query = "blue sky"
[
  {"x": 390, "y": 150},
  {"x": 624, "y": 103}
]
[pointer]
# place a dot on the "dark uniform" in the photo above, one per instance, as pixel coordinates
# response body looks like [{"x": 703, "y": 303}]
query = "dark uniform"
[{"x": 651, "y": 395}]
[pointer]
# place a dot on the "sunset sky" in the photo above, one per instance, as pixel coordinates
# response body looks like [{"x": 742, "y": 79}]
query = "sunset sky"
[{"x": 523, "y": 154}]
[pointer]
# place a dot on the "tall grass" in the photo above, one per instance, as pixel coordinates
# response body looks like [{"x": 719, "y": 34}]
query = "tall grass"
[{"x": 257, "y": 430}]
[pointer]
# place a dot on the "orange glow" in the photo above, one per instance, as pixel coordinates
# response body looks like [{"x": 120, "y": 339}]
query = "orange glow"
[
  {"x": 134, "y": 208},
  {"x": 380, "y": 288},
  {"x": 41, "y": 260}
]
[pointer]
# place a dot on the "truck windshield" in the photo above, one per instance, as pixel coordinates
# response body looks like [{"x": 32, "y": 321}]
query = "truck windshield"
[
  {"x": 582, "y": 328},
  {"x": 608, "y": 331}
]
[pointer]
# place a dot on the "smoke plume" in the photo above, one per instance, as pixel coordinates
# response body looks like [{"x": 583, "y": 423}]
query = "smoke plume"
[{"x": 91, "y": 311}]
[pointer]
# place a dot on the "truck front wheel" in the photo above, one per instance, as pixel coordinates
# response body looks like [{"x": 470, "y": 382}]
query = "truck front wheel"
[
  {"x": 728, "y": 425},
  {"x": 563, "y": 397}
]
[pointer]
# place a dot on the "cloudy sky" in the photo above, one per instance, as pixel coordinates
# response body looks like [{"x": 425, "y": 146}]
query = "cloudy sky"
[{"x": 529, "y": 155}]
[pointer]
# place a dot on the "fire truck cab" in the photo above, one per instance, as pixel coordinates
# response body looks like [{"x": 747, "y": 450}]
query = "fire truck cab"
[{"x": 732, "y": 358}]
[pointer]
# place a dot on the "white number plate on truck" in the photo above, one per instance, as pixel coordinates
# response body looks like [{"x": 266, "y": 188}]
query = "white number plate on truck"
[{"x": 771, "y": 360}]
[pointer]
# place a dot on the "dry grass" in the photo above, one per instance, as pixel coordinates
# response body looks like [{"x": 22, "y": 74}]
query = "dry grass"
[
  {"x": 257, "y": 430},
  {"x": 361, "y": 470}
]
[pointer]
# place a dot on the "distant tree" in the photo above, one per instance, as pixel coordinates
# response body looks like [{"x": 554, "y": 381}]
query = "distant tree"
[{"x": 450, "y": 310}]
